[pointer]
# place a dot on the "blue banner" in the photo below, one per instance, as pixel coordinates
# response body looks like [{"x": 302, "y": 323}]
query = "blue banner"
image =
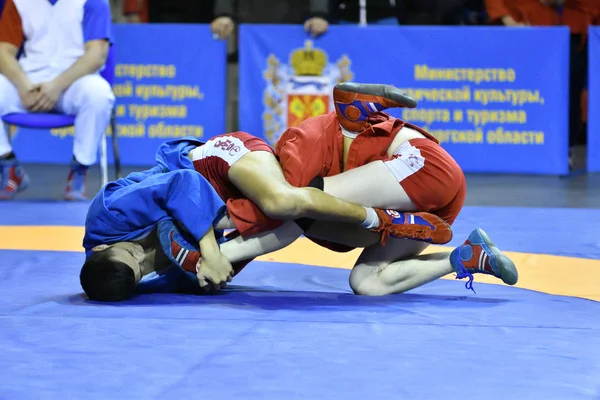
[
  {"x": 496, "y": 98},
  {"x": 593, "y": 115},
  {"x": 169, "y": 83}
]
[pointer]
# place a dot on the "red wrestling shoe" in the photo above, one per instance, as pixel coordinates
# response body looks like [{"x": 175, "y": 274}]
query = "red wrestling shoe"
[
  {"x": 13, "y": 179},
  {"x": 184, "y": 255},
  {"x": 355, "y": 102},
  {"x": 421, "y": 226},
  {"x": 187, "y": 257}
]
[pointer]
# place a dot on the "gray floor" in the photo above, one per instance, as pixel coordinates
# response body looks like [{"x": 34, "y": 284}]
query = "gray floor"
[{"x": 578, "y": 191}]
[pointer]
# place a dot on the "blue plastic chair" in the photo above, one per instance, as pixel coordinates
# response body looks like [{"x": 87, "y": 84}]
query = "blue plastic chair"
[{"x": 57, "y": 120}]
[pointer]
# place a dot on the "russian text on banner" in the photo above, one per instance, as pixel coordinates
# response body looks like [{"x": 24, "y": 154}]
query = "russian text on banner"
[
  {"x": 496, "y": 98},
  {"x": 593, "y": 115},
  {"x": 169, "y": 83}
]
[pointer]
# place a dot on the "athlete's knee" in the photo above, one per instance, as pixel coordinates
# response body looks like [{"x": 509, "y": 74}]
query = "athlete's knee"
[
  {"x": 370, "y": 280},
  {"x": 366, "y": 285},
  {"x": 366, "y": 280},
  {"x": 97, "y": 93}
]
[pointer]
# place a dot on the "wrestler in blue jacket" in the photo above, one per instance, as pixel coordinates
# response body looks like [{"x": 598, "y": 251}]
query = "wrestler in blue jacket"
[{"x": 133, "y": 217}]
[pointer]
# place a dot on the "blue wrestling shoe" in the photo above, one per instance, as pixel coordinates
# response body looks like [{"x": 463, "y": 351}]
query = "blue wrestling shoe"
[
  {"x": 13, "y": 179},
  {"x": 356, "y": 102},
  {"x": 76, "y": 182},
  {"x": 479, "y": 255}
]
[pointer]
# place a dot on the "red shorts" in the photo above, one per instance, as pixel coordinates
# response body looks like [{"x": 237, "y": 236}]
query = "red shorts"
[
  {"x": 213, "y": 160},
  {"x": 429, "y": 176}
]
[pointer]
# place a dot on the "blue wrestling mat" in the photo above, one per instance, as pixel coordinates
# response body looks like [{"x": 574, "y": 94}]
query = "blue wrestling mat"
[{"x": 288, "y": 331}]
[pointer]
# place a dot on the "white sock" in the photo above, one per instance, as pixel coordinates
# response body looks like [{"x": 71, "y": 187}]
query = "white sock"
[{"x": 372, "y": 220}]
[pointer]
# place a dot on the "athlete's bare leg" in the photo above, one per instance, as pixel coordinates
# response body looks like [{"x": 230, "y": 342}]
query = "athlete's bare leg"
[
  {"x": 260, "y": 178},
  {"x": 396, "y": 268},
  {"x": 376, "y": 184},
  {"x": 360, "y": 187},
  {"x": 242, "y": 249}
]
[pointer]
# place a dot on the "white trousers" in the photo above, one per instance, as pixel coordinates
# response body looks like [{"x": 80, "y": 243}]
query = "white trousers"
[{"x": 90, "y": 99}]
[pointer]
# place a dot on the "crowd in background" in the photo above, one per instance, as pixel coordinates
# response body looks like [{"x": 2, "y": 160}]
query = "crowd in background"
[
  {"x": 317, "y": 15},
  {"x": 577, "y": 14},
  {"x": 48, "y": 55}
]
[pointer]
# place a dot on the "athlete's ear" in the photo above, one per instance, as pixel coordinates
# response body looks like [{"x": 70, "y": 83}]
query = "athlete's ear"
[{"x": 100, "y": 247}]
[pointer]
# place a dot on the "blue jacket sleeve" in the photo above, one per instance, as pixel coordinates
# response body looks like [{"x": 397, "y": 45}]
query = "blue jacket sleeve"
[
  {"x": 193, "y": 202},
  {"x": 183, "y": 195}
]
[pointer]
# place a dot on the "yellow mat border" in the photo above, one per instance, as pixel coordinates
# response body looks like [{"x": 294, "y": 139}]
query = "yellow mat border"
[{"x": 558, "y": 275}]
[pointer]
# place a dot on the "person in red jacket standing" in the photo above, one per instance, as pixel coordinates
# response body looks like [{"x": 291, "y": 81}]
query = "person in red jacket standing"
[{"x": 521, "y": 13}]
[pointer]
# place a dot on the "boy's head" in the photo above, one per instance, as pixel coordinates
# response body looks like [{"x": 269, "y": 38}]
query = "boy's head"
[{"x": 112, "y": 272}]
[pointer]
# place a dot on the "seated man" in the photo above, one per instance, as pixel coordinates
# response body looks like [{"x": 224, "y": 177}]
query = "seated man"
[
  {"x": 127, "y": 237},
  {"x": 64, "y": 44}
]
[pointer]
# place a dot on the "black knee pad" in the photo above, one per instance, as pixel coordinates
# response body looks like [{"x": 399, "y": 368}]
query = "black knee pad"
[{"x": 306, "y": 223}]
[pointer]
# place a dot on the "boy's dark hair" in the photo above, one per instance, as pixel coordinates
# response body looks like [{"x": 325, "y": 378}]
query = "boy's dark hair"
[{"x": 104, "y": 279}]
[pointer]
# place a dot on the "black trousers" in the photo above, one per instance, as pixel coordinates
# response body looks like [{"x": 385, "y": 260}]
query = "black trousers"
[{"x": 577, "y": 82}]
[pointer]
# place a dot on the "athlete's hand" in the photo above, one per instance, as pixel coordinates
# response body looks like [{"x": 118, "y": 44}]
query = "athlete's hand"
[
  {"x": 507, "y": 20},
  {"x": 29, "y": 97},
  {"x": 214, "y": 272},
  {"x": 222, "y": 27},
  {"x": 49, "y": 93},
  {"x": 316, "y": 26}
]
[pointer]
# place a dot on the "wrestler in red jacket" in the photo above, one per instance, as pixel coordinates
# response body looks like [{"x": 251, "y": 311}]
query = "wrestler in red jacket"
[{"x": 361, "y": 154}]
